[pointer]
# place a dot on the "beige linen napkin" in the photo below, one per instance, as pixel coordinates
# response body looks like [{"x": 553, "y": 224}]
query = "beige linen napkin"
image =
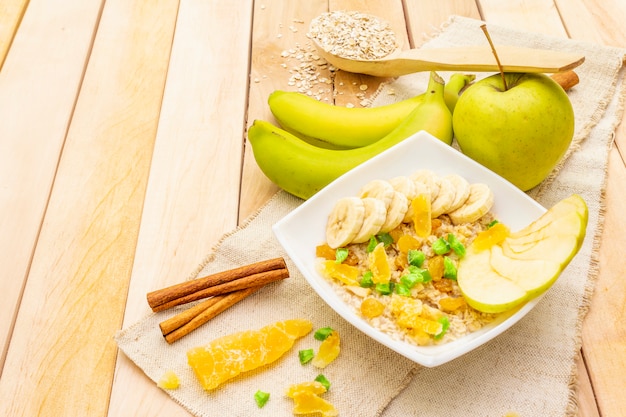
[{"x": 529, "y": 370}]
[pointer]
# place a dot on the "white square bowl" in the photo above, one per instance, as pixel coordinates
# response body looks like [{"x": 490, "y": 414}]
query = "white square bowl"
[{"x": 304, "y": 228}]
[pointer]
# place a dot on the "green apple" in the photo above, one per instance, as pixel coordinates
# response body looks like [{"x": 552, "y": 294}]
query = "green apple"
[
  {"x": 520, "y": 133},
  {"x": 527, "y": 262}
]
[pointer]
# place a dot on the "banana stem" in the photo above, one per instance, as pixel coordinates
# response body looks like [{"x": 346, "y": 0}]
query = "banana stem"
[
  {"x": 455, "y": 85},
  {"x": 435, "y": 84}
]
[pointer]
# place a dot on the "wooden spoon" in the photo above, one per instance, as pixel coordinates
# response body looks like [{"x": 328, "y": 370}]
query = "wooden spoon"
[{"x": 467, "y": 58}]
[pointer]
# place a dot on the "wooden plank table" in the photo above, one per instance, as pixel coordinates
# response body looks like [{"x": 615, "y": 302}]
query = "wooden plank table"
[{"x": 123, "y": 160}]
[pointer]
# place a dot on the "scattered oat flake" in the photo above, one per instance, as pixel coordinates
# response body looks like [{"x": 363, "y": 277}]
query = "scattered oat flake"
[
  {"x": 304, "y": 68},
  {"x": 363, "y": 87}
]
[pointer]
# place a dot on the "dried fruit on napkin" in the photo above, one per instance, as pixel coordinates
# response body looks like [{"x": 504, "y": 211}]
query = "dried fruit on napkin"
[{"x": 228, "y": 356}]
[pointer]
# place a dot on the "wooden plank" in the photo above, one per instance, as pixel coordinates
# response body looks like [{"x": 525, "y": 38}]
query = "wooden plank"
[
  {"x": 604, "y": 331},
  {"x": 38, "y": 86},
  {"x": 427, "y": 17},
  {"x": 193, "y": 190},
  {"x": 587, "y": 406},
  {"x": 600, "y": 21},
  {"x": 539, "y": 16},
  {"x": 11, "y": 13},
  {"x": 62, "y": 354},
  {"x": 279, "y": 26}
]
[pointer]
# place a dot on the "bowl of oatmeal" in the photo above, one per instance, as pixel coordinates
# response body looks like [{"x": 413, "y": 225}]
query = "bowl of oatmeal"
[{"x": 395, "y": 281}]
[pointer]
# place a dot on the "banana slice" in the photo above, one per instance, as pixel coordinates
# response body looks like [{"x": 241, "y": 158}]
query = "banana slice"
[
  {"x": 427, "y": 177},
  {"x": 395, "y": 212},
  {"x": 379, "y": 189},
  {"x": 407, "y": 187},
  {"x": 403, "y": 185},
  {"x": 462, "y": 190},
  {"x": 477, "y": 205},
  {"x": 445, "y": 197},
  {"x": 421, "y": 188},
  {"x": 374, "y": 218},
  {"x": 345, "y": 221}
]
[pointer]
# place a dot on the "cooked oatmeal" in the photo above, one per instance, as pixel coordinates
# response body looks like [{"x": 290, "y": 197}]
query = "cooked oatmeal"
[{"x": 422, "y": 303}]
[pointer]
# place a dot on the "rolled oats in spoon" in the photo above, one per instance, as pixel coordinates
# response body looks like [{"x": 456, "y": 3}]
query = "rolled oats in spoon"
[{"x": 353, "y": 35}]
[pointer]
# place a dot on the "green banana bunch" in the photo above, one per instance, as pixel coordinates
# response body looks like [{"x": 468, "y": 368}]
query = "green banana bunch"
[
  {"x": 303, "y": 169},
  {"x": 337, "y": 127}
]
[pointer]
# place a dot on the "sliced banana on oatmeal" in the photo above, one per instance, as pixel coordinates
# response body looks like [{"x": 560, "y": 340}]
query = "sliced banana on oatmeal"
[
  {"x": 428, "y": 178},
  {"x": 478, "y": 204},
  {"x": 379, "y": 189},
  {"x": 445, "y": 197},
  {"x": 395, "y": 212},
  {"x": 407, "y": 187},
  {"x": 345, "y": 221},
  {"x": 462, "y": 190},
  {"x": 403, "y": 185},
  {"x": 373, "y": 220}
]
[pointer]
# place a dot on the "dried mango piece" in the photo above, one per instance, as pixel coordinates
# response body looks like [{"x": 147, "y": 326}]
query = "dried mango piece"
[
  {"x": 407, "y": 243},
  {"x": 405, "y": 306},
  {"x": 490, "y": 237},
  {"x": 421, "y": 337},
  {"x": 422, "y": 222},
  {"x": 325, "y": 251},
  {"x": 328, "y": 351},
  {"x": 314, "y": 387},
  {"x": 308, "y": 403},
  {"x": 347, "y": 274},
  {"x": 419, "y": 323},
  {"x": 431, "y": 313},
  {"x": 228, "y": 356},
  {"x": 379, "y": 265}
]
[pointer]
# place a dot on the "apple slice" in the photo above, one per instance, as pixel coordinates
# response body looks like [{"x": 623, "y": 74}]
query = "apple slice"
[
  {"x": 558, "y": 247},
  {"x": 528, "y": 263},
  {"x": 485, "y": 289},
  {"x": 567, "y": 222},
  {"x": 564, "y": 208},
  {"x": 532, "y": 275}
]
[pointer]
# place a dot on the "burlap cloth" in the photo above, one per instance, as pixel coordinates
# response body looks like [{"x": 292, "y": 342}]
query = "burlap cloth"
[{"x": 529, "y": 370}]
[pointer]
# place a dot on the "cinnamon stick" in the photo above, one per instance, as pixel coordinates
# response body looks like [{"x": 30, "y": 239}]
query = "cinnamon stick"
[
  {"x": 180, "y": 319},
  {"x": 165, "y": 295},
  {"x": 566, "y": 79},
  {"x": 254, "y": 280},
  {"x": 221, "y": 303}
]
